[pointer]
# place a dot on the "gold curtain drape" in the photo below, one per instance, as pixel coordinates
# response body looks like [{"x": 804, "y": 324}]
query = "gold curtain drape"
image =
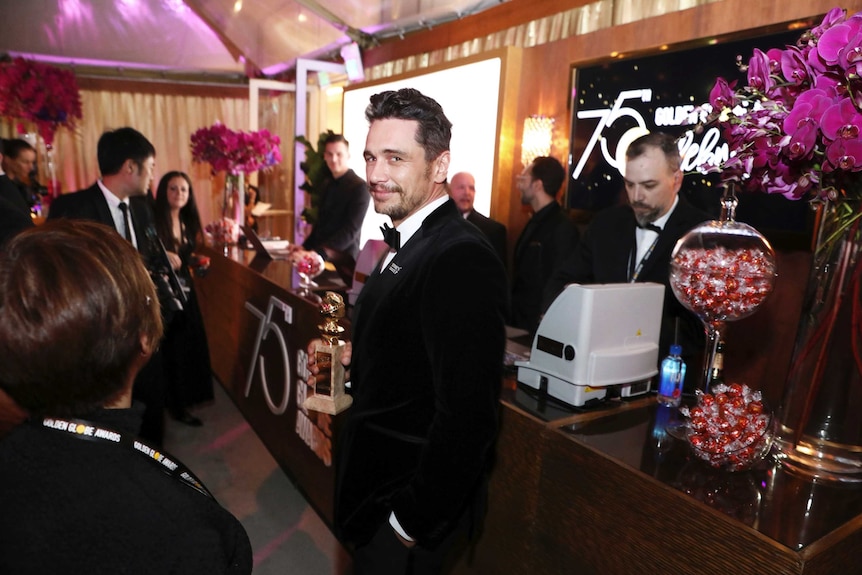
[{"x": 167, "y": 120}]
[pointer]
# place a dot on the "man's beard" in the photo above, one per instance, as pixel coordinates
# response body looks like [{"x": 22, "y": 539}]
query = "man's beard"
[
  {"x": 397, "y": 211},
  {"x": 645, "y": 217}
]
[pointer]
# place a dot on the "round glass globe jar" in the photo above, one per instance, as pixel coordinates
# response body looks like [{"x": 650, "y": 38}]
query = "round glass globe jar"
[{"x": 722, "y": 270}]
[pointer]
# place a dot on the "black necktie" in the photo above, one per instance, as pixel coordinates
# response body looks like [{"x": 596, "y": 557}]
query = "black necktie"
[
  {"x": 125, "y": 209},
  {"x": 391, "y": 236},
  {"x": 650, "y": 227}
]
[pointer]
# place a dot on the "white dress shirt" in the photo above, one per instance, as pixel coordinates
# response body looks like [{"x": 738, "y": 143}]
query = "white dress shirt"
[{"x": 117, "y": 214}]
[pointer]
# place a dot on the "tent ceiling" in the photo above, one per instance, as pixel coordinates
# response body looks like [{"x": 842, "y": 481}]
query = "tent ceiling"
[{"x": 210, "y": 36}]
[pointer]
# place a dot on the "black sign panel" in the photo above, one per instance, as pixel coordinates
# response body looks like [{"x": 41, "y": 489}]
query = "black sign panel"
[{"x": 617, "y": 101}]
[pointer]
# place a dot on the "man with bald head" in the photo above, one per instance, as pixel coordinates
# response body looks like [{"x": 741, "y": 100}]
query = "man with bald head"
[{"x": 462, "y": 190}]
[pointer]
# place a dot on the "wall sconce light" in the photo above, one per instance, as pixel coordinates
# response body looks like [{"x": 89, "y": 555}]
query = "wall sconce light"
[{"x": 538, "y": 134}]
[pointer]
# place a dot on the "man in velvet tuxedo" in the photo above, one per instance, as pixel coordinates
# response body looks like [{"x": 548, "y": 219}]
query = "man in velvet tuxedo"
[
  {"x": 462, "y": 190},
  {"x": 428, "y": 341},
  {"x": 119, "y": 200},
  {"x": 634, "y": 242}
]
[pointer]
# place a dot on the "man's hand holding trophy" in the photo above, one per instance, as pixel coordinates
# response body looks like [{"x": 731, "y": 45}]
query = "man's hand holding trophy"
[{"x": 327, "y": 357}]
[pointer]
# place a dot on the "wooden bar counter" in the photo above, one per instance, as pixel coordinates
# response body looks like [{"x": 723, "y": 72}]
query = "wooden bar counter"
[
  {"x": 258, "y": 324},
  {"x": 605, "y": 491}
]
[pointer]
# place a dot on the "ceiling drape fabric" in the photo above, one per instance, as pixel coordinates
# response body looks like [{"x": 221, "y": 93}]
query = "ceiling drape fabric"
[{"x": 581, "y": 20}]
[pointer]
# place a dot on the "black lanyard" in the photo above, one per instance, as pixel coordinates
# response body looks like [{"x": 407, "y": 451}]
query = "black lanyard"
[
  {"x": 89, "y": 431},
  {"x": 633, "y": 274}
]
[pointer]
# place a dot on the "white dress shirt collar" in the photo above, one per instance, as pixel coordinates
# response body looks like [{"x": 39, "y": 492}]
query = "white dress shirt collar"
[
  {"x": 117, "y": 214},
  {"x": 411, "y": 225}
]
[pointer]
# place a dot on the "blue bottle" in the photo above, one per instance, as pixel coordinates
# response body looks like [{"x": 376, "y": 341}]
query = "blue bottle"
[{"x": 671, "y": 377}]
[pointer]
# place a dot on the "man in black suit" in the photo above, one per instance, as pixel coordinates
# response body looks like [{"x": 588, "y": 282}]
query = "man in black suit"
[
  {"x": 119, "y": 200},
  {"x": 14, "y": 211},
  {"x": 462, "y": 190},
  {"x": 19, "y": 163},
  {"x": 428, "y": 341},
  {"x": 127, "y": 162},
  {"x": 634, "y": 242},
  {"x": 545, "y": 242},
  {"x": 342, "y": 205}
]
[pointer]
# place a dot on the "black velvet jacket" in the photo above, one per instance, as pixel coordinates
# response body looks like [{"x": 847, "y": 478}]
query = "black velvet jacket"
[{"x": 428, "y": 344}]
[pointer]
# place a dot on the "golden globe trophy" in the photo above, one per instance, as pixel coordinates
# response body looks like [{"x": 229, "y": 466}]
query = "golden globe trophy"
[{"x": 329, "y": 396}]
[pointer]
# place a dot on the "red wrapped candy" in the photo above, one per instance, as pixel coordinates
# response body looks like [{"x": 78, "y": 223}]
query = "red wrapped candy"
[
  {"x": 729, "y": 428},
  {"x": 721, "y": 283}
]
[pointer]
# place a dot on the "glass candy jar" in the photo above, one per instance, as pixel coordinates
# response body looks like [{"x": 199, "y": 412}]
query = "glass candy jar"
[{"x": 722, "y": 270}]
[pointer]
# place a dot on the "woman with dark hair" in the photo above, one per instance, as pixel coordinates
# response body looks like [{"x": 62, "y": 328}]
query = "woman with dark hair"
[
  {"x": 188, "y": 375},
  {"x": 79, "y": 317}
]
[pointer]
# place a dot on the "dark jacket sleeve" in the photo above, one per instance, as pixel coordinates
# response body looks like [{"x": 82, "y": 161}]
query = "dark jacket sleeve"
[
  {"x": 342, "y": 239},
  {"x": 576, "y": 266},
  {"x": 12, "y": 221}
]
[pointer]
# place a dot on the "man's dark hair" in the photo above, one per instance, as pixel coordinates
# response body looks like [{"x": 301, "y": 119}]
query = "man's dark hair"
[
  {"x": 435, "y": 130},
  {"x": 13, "y": 147},
  {"x": 664, "y": 142},
  {"x": 335, "y": 138},
  {"x": 117, "y": 146},
  {"x": 550, "y": 172}
]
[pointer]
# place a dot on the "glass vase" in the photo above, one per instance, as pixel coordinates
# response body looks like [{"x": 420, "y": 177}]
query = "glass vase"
[
  {"x": 232, "y": 211},
  {"x": 820, "y": 417}
]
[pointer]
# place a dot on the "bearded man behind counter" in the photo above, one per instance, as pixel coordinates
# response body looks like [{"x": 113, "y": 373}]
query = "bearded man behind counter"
[{"x": 633, "y": 242}]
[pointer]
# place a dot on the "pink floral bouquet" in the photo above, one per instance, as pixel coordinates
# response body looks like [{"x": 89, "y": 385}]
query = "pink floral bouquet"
[
  {"x": 39, "y": 93},
  {"x": 795, "y": 128},
  {"x": 235, "y": 152}
]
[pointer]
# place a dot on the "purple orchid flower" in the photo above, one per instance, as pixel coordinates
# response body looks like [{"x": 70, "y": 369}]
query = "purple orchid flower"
[
  {"x": 794, "y": 67},
  {"x": 758, "y": 72},
  {"x": 833, "y": 17},
  {"x": 844, "y": 155},
  {"x": 841, "y": 121},
  {"x": 837, "y": 39},
  {"x": 722, "y": 95},
  {"x": 810, "y": 105}
]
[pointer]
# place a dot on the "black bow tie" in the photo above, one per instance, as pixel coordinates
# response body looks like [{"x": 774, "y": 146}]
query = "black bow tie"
[
  {"x": 650, "y": 227},
  {"x": 391, "y": 236}
]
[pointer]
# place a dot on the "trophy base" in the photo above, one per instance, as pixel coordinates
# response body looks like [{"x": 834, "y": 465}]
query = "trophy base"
[{"x": 327, "y": 404}]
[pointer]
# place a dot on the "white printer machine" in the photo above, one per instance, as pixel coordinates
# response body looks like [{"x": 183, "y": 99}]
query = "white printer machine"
[{"x": 593, "y": 337}]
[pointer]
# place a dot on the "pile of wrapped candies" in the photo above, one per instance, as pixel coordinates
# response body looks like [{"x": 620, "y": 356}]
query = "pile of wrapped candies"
[
  {"x": 722, "y": 283},
  {"x": 729, "y": 428}
]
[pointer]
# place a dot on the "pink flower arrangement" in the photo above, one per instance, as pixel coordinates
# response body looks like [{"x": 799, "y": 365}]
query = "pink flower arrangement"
[
  {"x": 235, "y": 152},
  {"x": 45, "y": 95},
  {"x": 795, "y": 128},
  {"x": 223, "y": 231}
]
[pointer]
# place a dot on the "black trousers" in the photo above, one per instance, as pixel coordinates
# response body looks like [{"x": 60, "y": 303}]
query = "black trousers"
[{"x": 385, "y": 554}]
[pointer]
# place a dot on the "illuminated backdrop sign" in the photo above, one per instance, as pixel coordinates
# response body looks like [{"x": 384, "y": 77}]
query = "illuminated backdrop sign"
[{"x": 615, "y": 102}]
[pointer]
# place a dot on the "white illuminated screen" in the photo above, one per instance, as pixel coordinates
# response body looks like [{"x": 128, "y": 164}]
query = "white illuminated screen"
[{"x": 469, "y": 95}]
